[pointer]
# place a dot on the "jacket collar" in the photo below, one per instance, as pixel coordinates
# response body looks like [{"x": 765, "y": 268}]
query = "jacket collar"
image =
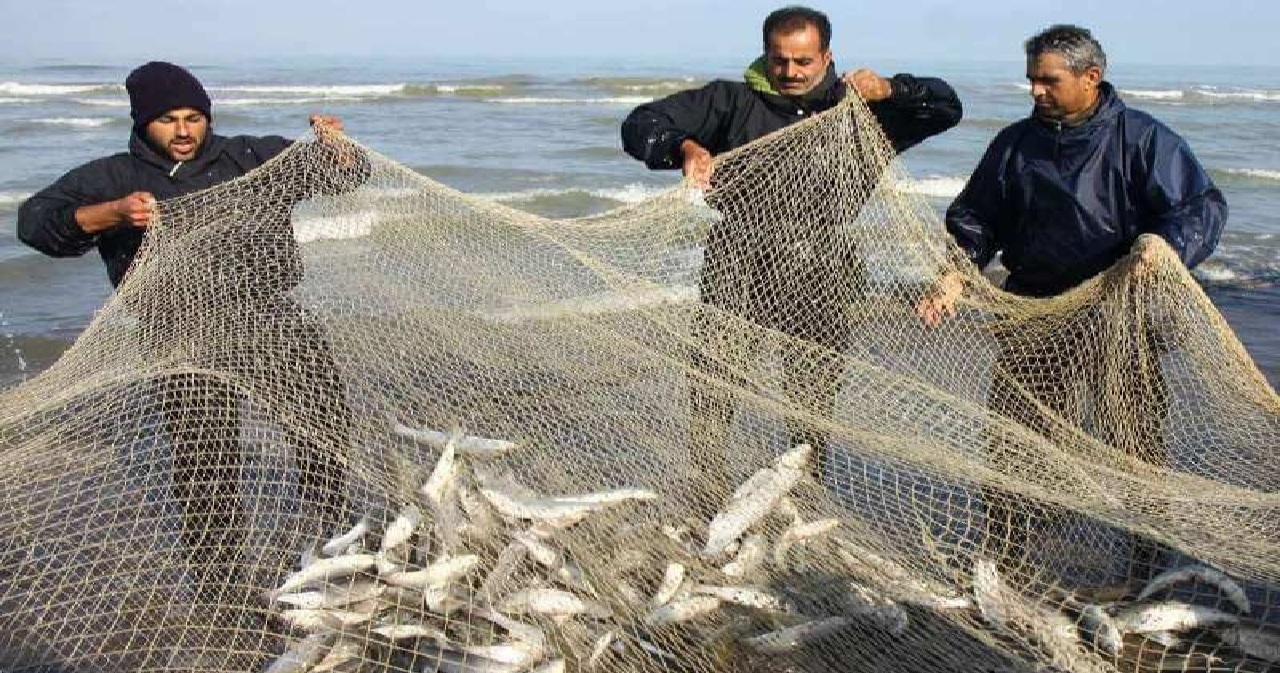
[
  {"x": 213, "y": 146},
  {"x": 1108, "y": 108},
  {"x": 758, "y": 80}
]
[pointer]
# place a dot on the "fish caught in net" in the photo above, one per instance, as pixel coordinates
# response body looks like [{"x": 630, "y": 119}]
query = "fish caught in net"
[{"x": 341, "y": 417}]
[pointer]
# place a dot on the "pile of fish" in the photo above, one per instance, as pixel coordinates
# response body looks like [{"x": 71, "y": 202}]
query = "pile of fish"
[
  {"x": 1155, "y": 631},
  {"x": 479, "y": 575}
]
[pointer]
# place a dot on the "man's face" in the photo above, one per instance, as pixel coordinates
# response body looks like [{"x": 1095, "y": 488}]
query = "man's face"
[
  {"x": 795, "y": 61},
  {"x": 1059, "y": 93},
  {"x": 179, "y": 133}
]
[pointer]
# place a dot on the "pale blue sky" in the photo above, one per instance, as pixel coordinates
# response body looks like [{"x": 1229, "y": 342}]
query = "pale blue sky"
[{"x": 1207, "y": 32}]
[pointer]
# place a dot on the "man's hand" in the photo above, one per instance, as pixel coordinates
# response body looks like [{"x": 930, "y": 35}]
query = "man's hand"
[
  {"x": 322, "y": 123},
  {"x": 939, "y": 303},
  {"x": 868, "y": 84},
  {"x": 697, "y": 163},
  {"x": 136, "y": 209},
  {"x": 1144, "y": 252}
]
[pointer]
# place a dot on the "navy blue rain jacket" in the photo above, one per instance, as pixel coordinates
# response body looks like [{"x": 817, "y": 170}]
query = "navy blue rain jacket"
[{"x": 1065, "y": 203}]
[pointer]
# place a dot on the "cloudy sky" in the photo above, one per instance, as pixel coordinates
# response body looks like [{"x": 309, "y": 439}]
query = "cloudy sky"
[{"x": 1204, "y": 32}]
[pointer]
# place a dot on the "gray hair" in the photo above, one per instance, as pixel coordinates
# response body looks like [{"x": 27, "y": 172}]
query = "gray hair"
[{"x": 1073, "y": 43}]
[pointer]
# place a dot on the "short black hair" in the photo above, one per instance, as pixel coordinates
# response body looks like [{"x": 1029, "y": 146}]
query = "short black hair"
[{"x": 795, "y": 17}]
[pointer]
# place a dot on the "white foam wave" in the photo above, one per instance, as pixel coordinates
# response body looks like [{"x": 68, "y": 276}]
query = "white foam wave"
[
  {"x": 334, "y": 227},
  {"x": 1255, "y": 95},
  {"x": 1214, "y": 273},
  {"x": 629, "y": 194},
  {"x": 244, "y": 102},
  {"x": 1154, "y": 94},
  {"x": 456, "y": 88},
  {"x": 344, "y": 90},
  {"x": 1256, "y": 173},
  {"x": 18, "y": 100},
  {"x": 102, "y": 102},
  {"x": 936, "y": 186},
  {"x": 614, "y": 100},
  {"x": 13, "y": 198},
  {"x": 82, "y": 122},
  {"x": 20, "y": 89}
]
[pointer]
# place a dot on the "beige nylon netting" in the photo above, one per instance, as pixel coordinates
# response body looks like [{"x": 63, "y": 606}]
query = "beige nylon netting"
[{"x": 736, "y": 446}]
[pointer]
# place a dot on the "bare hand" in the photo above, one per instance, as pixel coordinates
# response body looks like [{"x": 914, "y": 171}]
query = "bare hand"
[
  {"x": 137, "y": 209},
  {"x": 697, "y": 163},
  {"x": 1145, "y": 252},
  {"x": 868, "y": 84},
  {"x": 326, "y": 123},
  {"x": 939, "y": 303}
]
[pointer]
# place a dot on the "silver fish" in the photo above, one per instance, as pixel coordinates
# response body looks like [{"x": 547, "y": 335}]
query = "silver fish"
[
  {"x": 556, "y": 513},
  {"x": 749, "y": 558},
  {"x": 444, "y": 476},
  {"x": 402, "y": 528},
  {"x": 339, "y": 544},
  {"x": 303, "y": 655},
  {"x": 540, "y": 551},
  {"x": 333, "y": 596},
  {"x": 755, "y": 498},
  {"x": 672, "y": 578},
  {"x": 406, "y": 631},
  {"x": 750, "y": 597},
  {"x": 1230, "y": 590},
  {"x": 609, "y": 497},
  {"x": 324, "y": 569},
  {"x": 799, "y": 533},
  {"x": 469, "y": 445},
  {"x": 685, "y": 610},
  {"x": 439, "y": 574},
  {"x": 343, "y": 651},
  {"x": 553, "y": 666},
  {"x": 517, "y": 654},
  {"x": 988, "y": 591},
  {"x": 1098, "y": 628},
  {"x": 788, "y": 639},
  {"x": 317, "y": 621},
  {"x": 552, "y": 602},
  {"x": 1169, "y": 616}
]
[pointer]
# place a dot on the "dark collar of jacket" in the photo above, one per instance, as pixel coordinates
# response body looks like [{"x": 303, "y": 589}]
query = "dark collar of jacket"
[
  {"x": 826, "y": 94},
  {"x": 1109, "y": 107},
  {"x": 143, "y": 151}
]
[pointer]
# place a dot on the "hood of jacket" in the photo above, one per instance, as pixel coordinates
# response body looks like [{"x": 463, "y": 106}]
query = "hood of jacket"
[
  {"x": 209, "y": 151},
  {"x": 757, "y": 78}
]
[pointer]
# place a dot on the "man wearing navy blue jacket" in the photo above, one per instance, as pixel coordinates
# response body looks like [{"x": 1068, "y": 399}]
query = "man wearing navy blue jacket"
[{"x": 1064, "y": 194}]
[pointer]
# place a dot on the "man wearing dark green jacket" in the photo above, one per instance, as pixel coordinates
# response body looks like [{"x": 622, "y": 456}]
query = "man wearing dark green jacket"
[{"x": 792, "y": 273}]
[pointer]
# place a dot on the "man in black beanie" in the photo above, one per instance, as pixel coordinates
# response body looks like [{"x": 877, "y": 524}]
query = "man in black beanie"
[{"x": 109, "y": 203}]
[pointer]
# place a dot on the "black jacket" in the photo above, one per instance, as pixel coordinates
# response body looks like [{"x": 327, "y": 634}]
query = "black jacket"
[
  {"x": 1065, "y": 203},
  {"x": 47, "y": 222},
  {"x": 724, "y": 115}
]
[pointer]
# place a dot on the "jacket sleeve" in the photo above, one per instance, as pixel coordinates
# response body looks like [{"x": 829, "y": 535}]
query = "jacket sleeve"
[
  {"x": 917, "y": 108},
  {"x": 1189, "y": 210},
  {"x": 47, "y": 220},
  {"x": 653, "y": 132},
  {"x": 972, "y": 219}
]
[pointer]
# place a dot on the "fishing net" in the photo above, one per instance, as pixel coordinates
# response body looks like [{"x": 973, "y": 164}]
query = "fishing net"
[{"x": 341, "y": 417}]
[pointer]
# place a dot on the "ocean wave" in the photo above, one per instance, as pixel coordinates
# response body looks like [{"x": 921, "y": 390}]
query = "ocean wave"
[
  {"x": 533, "y": 100},
  {"x": 82, "y": 122},
  {"x": 629, "y": 194},
  {"x": 936, "y": 186},
  {"x": 18, "y": 100},
  {"x": 20, "y": 89},
  {"x": 640, "y": 84},
  {"x": 11, "y": 199},
  {"x": 101, "y": 102},
  {"x": 305, "y": 100},
  {"x": 1246, "y": 174}
]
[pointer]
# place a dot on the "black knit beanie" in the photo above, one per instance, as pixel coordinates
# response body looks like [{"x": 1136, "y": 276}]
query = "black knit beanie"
[{"x": 157, "y": 87}]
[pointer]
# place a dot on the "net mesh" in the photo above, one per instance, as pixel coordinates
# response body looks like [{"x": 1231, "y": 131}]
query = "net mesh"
[{"x": 341, "y": 417}]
